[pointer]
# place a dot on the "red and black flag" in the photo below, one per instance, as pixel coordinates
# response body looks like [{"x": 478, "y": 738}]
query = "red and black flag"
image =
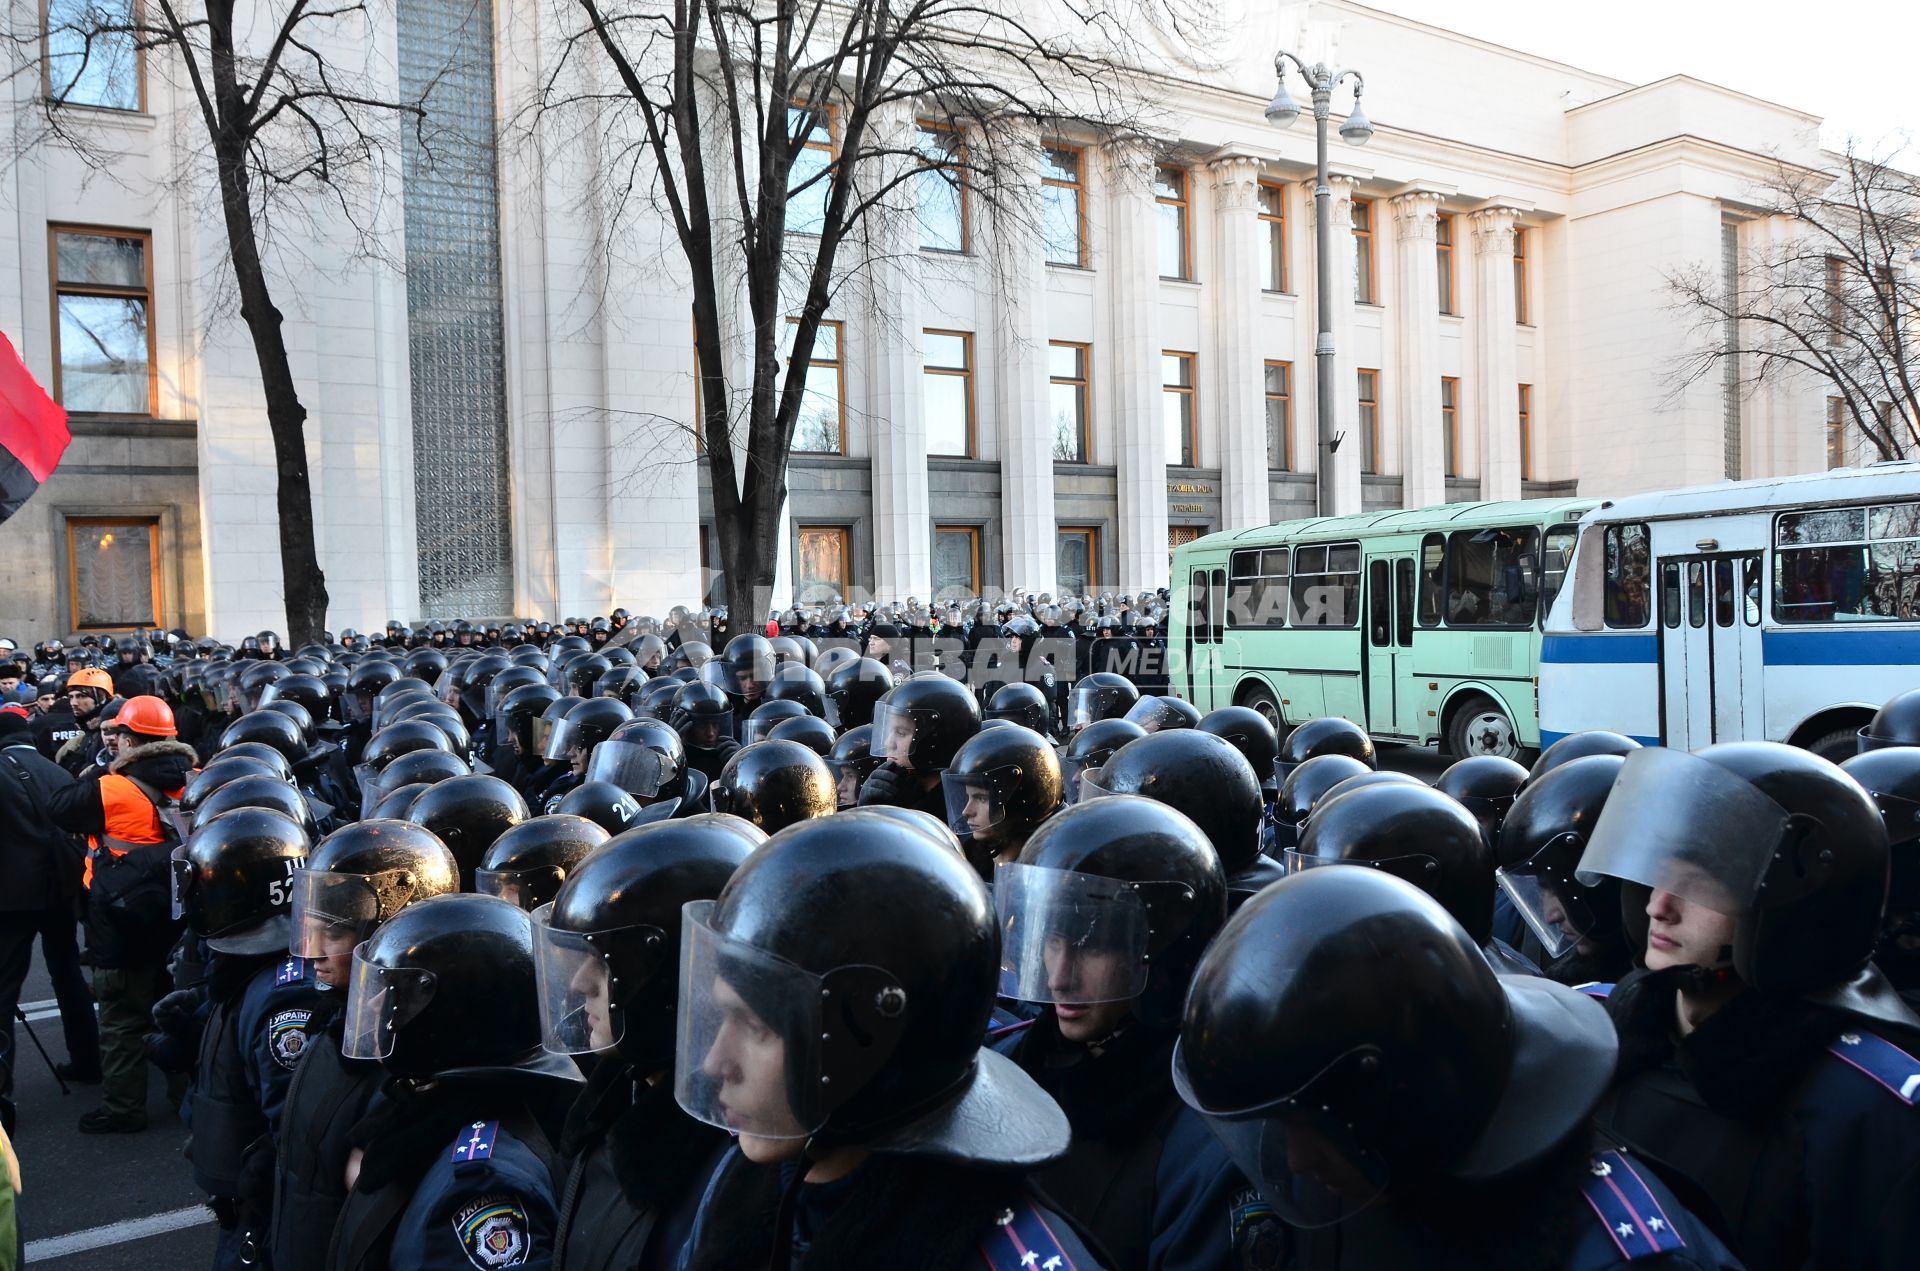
[{"x": 33, "y": 432}]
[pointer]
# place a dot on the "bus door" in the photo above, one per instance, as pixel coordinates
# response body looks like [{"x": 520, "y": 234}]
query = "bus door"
[
  {"x": 1710, "y": 667},
  {"x": 1206, "y": 634},
  {"x": 1393, "y": 707}
]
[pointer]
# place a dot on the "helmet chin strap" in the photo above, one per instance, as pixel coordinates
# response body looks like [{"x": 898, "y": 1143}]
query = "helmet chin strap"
[{"x": 1708, "y": 979}]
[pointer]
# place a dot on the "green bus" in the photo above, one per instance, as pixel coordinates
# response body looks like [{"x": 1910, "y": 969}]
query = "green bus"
[{"x": 1421, "y": 626}]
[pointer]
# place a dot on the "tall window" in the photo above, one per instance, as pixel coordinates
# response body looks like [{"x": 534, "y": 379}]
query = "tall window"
[
  {"x": 1273, "y": 225},
  {"x": 1450, "y": 423},
  {"x": 113, "y": 572},
  {"x": 822, "y": 426},
  {"x": 103, "y": 341},
  {"x": 1170, "y": 188},
  {"x": 1176, "y": 382},
  {"x": 942, "y": 189},
  {"x": 92, "y": 57},
  {"x": 809, "y": 181},
  {"x": 1522, "y": 300},
  {"x": 1443, "y": 251},
  {"x": 1526, "y": 432},
  {"x": 1836, "y": 433},
  {"x": 948, "y": 357},
  {"x": 822, "y": 562},
  {"x": 956, "y": 561},
  {"x": 1068, "y": 400},
  {"x": 1836, "y": 302},
  {"x": 1076, "y": 559},
  {"x": 1370, "y": 421},
  {"x": 1280, "y": 415},
  {"x": 1063, "y": 219},
  {"x": 1363, "y": 290}
]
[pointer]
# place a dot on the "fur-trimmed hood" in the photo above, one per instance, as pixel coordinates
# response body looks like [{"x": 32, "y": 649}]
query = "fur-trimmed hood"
[{"x": 164, "y": 764}]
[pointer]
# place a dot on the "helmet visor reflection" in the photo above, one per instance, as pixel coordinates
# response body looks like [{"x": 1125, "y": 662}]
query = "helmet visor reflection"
[
  {"x": 575, "y": 983},
  {"x": 1068, "y": 937}
]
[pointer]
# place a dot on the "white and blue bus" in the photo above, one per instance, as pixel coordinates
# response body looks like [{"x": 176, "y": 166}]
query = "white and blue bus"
[{"x": 1779, "y": 610}]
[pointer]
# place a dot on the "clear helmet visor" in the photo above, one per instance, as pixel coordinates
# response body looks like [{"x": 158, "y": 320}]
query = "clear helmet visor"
[
  {"x": 1716, "y": 855},
  {"x": 638, "y": 769},
  {"x": 848, "y": 774},
  {"x": 973, "y": 807},
  {"x": 527, "y": 888},
  {"x": 381, "y": 1001},
  {"x": 543, "y": 731},
  {"x": 1073, "y": 774},
  {"x": 706, "y": 731},
  {"x": 1418, "y": 869},
  {"x": 1068, "y": 937},
  {"x": 180, "y": 882},
  {"x": 331, "y": 913},
  {"x": 1555, "y": 909},
  {"x": 895, "y": 734},
  {"x": 575, "y": 983},
  {"x": 748, "y": 1037},
  {"x": 563, "y": 740}
]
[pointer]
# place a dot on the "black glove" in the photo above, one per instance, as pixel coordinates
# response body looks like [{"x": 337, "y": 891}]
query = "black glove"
[
  {"x": 178, "y": 1014},
  {"x": 887, "y": 787}
]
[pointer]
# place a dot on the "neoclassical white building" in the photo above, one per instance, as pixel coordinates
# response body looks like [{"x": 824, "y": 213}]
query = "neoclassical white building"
[{"x": 498, "y": 394}]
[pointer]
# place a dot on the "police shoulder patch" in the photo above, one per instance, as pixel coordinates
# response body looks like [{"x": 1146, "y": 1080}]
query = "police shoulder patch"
[
  {"x": 1635, "y": 1221},
  {"x": 287, "y": 1037},
  {"x": 1888, "y": 1066},
  {"x": 292, "y": 971},
  {"x": 494, "y": 1232}
]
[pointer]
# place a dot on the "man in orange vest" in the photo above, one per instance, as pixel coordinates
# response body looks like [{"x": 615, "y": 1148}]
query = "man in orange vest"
[{"x": 124, "y": 815}]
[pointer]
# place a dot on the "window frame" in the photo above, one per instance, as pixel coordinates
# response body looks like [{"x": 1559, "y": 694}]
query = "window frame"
[
  {"x": 1454, "y": 538},
  {"x": 965, "y": 373},
  {"x": 1190, "y": 454},
  {"x": 1084, "y": 385},
  {"x": 1369, "y": 423},
  {"x": 839, "y": 365},
  {"x": 1079, "y": 187},
  {"x": 57, "y": 290},
  {"x": 152, "y": 524},
  {"x": 1450, "y": 425},
  {"x": 1526, "y": 432},
  {"x": 1182, "y": 204},
  {"x": 1092, "y": 534},
  {"x": 973, "y": 556},
  {"x": 1248, "y": 608},
  {"x": 832, "y": 147},
  {"x": 1296, "y": 607},
  {"x": 1276, "y": 225},
  {"x": 136, "y": 10},
  {"x": 1444, "y": 263},
  {"x": 959, "y": 135},
  {"x": 1522, "y": 285},
  {"x": 1285, "y": 397},
  {"x": 844, "y": 534},
  {"x": 1364, "y": 237},
  {"x": 1836, "y": 433},
  {"x": 1869, "y": 541}
]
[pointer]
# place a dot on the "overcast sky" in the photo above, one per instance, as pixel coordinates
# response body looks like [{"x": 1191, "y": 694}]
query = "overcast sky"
[{"x": 1854, "y": 62}]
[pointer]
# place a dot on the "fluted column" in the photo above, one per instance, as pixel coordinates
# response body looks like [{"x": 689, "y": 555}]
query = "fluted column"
[
  {"x": 1140, "y": 434},
  {"x": 902, "y": 522},
  {"x": 1346, "y": 384},
  {"x": 1496, "y": 362},
  {"x": 1026, "y": 428},
  {"x": 1416, "y": 390},
  {"x": 1240, "y": 403}
]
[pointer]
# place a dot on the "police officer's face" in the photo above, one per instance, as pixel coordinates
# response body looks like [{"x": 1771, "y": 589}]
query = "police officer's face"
[
  {"x": 577, "y": 760},
  {"x": 335, "y": 964},
  {"x": 1681, "y": 932},
  {"x": 590, "y": 983},
  {"x": 849, "y": 786},
  {"x": 749, "y": 1060},
  {"x": 899, "y": 745},
  {"x": 1090, "y": 973},
  {"x": 980, "y": 813},
  {"x": 704, "y": 734}
]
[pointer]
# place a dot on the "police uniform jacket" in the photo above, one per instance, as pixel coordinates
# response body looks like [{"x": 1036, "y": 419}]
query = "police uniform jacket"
[
  {"x": 250, "y": 1045},
  {"x": 1796, "y": 1119}
]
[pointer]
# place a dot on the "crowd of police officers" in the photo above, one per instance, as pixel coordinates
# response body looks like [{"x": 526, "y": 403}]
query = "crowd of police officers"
[{"x": 911, "y": 939}]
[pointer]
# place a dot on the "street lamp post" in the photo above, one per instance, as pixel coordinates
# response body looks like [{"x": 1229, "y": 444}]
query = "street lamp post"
[{"x": 1281, "y": 112}]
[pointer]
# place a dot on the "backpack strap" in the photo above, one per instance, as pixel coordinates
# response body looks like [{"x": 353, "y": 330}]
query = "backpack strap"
[
  {"x": 1888, "y": 1066},
  {"x": 1633, "y": 1216}
]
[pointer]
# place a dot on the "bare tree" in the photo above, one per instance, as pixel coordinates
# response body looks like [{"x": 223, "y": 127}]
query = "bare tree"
[
  {"x": 283, "y": 120},
  {"x": 723, "y": 108},
  {"x": 1834, "y": 295}
]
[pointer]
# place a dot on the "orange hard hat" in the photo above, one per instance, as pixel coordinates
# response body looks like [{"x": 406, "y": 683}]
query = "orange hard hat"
[
  {"x": 148, "y": 716},
  {"x": 92, "y": 677}
]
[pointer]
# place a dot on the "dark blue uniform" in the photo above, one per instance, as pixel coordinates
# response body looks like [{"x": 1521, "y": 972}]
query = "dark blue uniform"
[
  {"x": 487, "y": 1201},
  {"x": 329, "y": 1094}
]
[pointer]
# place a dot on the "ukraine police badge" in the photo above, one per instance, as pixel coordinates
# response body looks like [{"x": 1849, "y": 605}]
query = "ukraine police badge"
[
  {"x": 287, "y": 1037},
  {"x": 493, "y": 1232}
]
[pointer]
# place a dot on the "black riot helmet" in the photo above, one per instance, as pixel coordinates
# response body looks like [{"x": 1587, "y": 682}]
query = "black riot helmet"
[
  {"x": 225, "y": 769},
  {"x": 392, "y": 805},
  {"x": 656, "y": 699},
  {"x": 766, "y": 716},
  {"x": 608, "y": 946},
  {"x": 786, "y": 650},
  {"x": 446, "y": 983},
  {"x": 1328, "y": 735},
  {"x": 425, "y": 664},
  {"x": 1579, "y": 925},
  {"x": 1303, "y": 790},
  {"x": 257, "y": 791},
  {"x": 1891, "y": 774},
  {"x": 302, "y": 718},
  {"x": 623, "y": 683},
  {"x": 1594, "y": 741},
  {"x": 391, "y": 700},
  {"x": 586, "y": 726},
  {"x": 261, "y": 753},
  {"x": 468, "y": 813},
  {"x": 774, "y": 784},
  {"x": 517, "y": 712},
  {"x": 751, "y": 660},
  {"x": 584, "y": 673},
  {"x": 1102, "y": 695},
  {"x": 527, "y": 863},
  {"x": 1347, "y": 1007},
  {"x": 853, "y": 761},
  {"x": 703, "y": 715},
  {"x": 811, "y": 731},
  {"x": 269, "y": 727},
  {"x": 1201, "y": 775},
  {"x": 1485, "y": 785},
  {"x": 550, "y": 719},
  {"x": 1021, "y": 703},
  {"x": 1778, "y": 837},
  {"x": 360, "y": 876},
  {"x": 479, "y": 677},
  {"x": 854, "y": 688},
  {"x": 309, "y": 691},
  {"x": 254, "y": 680},
  {"x": 601, "y": 802},
  {"x": 1131, "y": 886},
  {"x": 871, "y": 952},
  {"x": 1002, "y": 784},
  {"x": 644, "y": 757},
  {"x": 504, "y": 682},
  {"x": 1413, "y": 832},
  {"x": 234, "y": 872},
  {"x": 403, "y": 737},
  {"x": 1897, "y": 723},
  {"x": 1089, "y": 748},
  {"x": 920, "y": 724},
  {"x": 1157, "y": 713},
  {"x": 794, "y": 682},
  {"x": 1248, "y": 732},
  {"x": 429, "y": 766}
]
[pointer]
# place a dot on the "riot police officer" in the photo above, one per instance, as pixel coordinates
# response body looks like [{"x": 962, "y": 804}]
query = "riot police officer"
[
  {"x": 774, "y": 784},
  {"x": 1327, "y": 735},
  {"x": 528, "y": 863},
  {"x": 918, "y": 727},
  {"x": 468, "y": 814},
  {"x": 1573, "y": 928},
  {"x": 1891, "y": 774},
  {"x": 1100, "y": 695},
  {"x": 703, "y": 716},
  {"x": 853, "y": 761},
  {"x": 1001, "y": 786},
  {"x": 1301, "y": 791},
  {"x": 853, "y": 689},
  {"x": 833, "y": 1005},
  {"x": 1486, "y": 786}
]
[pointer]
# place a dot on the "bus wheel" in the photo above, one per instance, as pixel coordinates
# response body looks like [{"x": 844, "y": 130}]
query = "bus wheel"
[
  {"x": 1481, "y": 727},
  {"x": 1260, "y": 700},
  {"x": 1836, "y": 746}
]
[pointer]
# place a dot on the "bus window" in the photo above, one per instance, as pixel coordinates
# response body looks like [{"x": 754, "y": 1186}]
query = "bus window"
[
  {"x": 1274, "y": 564},
  {"x": 1553, "y": 564},
  {"x": 1848, "y": 565},
  {"x": 1257, "y": 595},
  {"x": 1723, "y": 593},
  {"x": 1629, "y": 571},
  {"x": 1670, "y": 595},
  {"x": 1492, "y": 578},
  {"x": 1433, "y": 559},
  {"x": 1696, "y": 594},
  {"x": 1197, "y": 607},
  {"x": 1379, "y": 604},
  {"x": 1403, "y": 601},
  {"x": 1750, "y": 589},
  {"x": 1326, "y": 586}
]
